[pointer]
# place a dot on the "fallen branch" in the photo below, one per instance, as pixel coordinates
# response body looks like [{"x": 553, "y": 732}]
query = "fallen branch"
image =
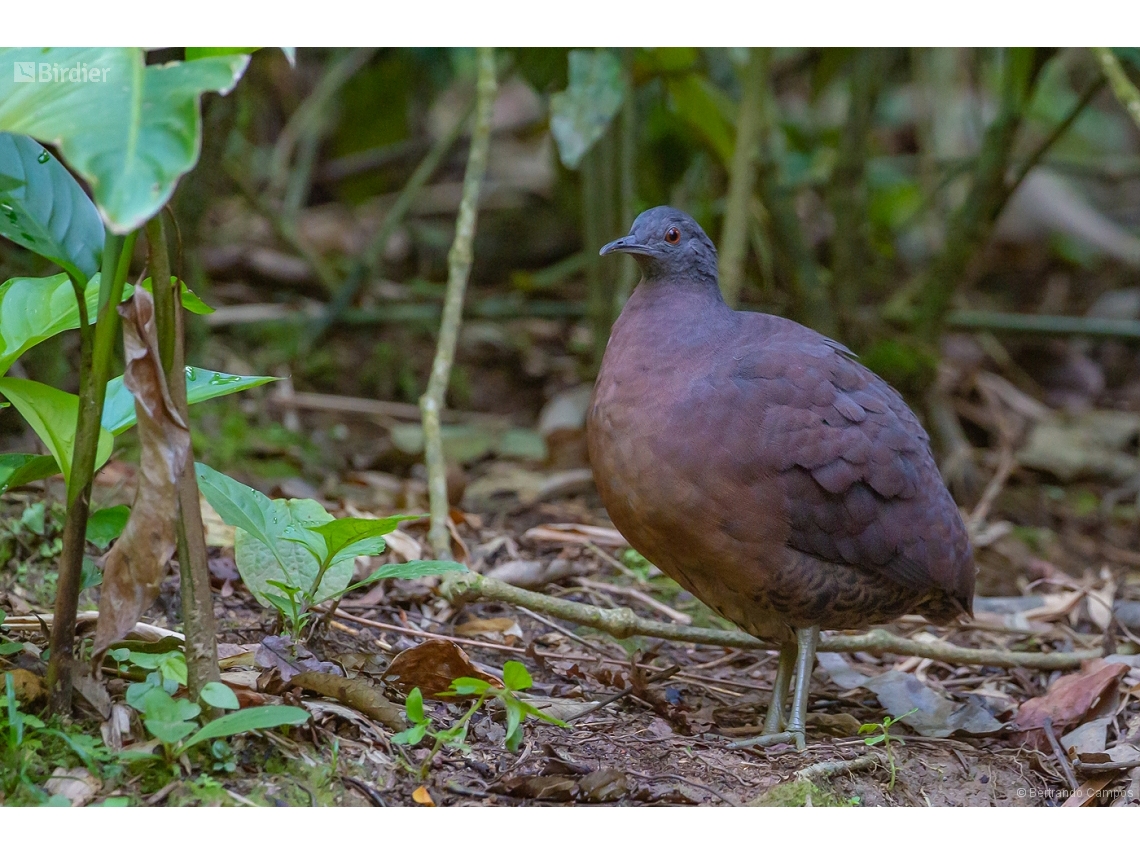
[{"x": 624, "y": 622}]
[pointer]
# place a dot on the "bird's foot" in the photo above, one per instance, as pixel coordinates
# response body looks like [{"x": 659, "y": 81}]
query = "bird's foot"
[{"x": 765, "y": 739}]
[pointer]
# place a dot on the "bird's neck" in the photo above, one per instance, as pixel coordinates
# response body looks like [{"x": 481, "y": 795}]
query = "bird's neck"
[
  {"x": 686, "y": 298},
  {"x": 670, "y": 316}
]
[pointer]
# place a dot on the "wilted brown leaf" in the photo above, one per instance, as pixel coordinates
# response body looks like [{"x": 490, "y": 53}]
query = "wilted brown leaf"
[
  {"x": 431, "y": 667},
  {"x": 137, "y": 562},
  {"x": 289, "y": 657},
  {"x": 497, "y": 628},
  {"x": 1069, "y": 700},
  {"x": 356, "y": 693},
  {"x": 78, "y": 786}
]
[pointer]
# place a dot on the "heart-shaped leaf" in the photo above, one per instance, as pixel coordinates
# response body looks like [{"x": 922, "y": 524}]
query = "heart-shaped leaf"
[{"x": 130, "y": 129}]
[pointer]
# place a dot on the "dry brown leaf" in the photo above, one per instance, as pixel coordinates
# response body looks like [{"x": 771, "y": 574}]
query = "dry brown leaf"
[
  {"x": 499, "y": 627},
  {"x": 422, "y": 797},
  {"x": 29, "y": 687},
  {"x": 431, "y": 667},
  {"x": 78, "y": 786},
  {"x": 1068, "y": 701},
  {"x": 137, "y": 562},
  {"x": 356, "y": 693},
  {"x": 577, "y": 533}
]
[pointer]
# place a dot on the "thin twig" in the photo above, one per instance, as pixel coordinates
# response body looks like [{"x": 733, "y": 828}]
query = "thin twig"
[
  {"x": 662, "y": 675},
  {"x": 1059, "y": 131},
  {"x": 624, "y": 622},
  {"x": 419, "y": 633},
  {"x": 1123, "y": 88},
  {"x": 392, "y": 218},
  {"x": 1059, "y": 753},
  {"x": 459, "y": 268},
  {"x": 742, "y": 177},
  {"x": 640, "y": 596}
]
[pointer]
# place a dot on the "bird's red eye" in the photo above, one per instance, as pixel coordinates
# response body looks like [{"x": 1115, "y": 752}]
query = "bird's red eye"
[{"x": 673, "y": 235}]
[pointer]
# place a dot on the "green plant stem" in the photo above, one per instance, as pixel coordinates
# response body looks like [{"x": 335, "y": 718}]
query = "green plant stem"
[
  {"x": 742, "y": 178},
  {"x": 1123, "y": 88},
  {"x": 623, "y": 623},
  {"x": 971, "y": 222},
  {"x": 193, "y": 560},
  {"x": 1059, "y": 131},
  {"x": 854, "y": 257},
  {"x": 812, "y": 301},
  {"x": 395, "y": 215},
  {"x": 459, "y": 268},
  {"x": 95, "y": 366},
  {"x": 309, "y": 119},
  {"x": 598, "y": 303},
  {"x": 1013, "y": 322},
  {"x": 627, "y": 172}
]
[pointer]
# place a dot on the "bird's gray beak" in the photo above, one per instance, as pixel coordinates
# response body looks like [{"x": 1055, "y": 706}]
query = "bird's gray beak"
[{"x": 627, "y": 244}]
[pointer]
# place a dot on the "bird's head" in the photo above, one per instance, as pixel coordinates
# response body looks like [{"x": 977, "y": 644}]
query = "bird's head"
[{"x": 668, "y": 245}]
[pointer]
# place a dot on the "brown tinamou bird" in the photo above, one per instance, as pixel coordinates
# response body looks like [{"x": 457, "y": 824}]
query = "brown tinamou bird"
[{"x": 759, "y": 465}]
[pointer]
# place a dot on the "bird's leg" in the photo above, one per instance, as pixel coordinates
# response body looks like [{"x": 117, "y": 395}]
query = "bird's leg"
[
  {"x": 806, "y": 641},
  {"x": 774, "y": 722}
]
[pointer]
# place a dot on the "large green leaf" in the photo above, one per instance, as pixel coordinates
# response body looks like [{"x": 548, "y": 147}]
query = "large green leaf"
[
  {"x": 43, "y": 208},
  {"x": 32, "y": 310},
  {"x": 202, "y": 384},
  {"x": 16, "y": 470},
  {"x": 131, "y": 130},
  {"x": 243, "y": 721},
  {"x": 52, "y": 415},
  {"x": 291, "y": 560},
  {"x": 580, "y": 115},
  {"x": 707, "y": 110}
]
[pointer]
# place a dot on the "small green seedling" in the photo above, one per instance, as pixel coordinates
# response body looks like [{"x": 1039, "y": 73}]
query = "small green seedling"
[
  {"x": 886, "y": 738},
  {"x": 292, "y": 554},
  {"x": 515, "y": 679},
  {"x": 173, "y": 720}
]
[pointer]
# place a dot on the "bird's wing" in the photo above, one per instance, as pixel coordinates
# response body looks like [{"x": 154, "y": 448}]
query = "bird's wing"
[{"x": 852, "y": 461}]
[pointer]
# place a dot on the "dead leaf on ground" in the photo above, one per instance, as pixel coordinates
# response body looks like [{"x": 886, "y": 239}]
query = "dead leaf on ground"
[
  {"x": 421, "y": 796},
  {"x": 135, "y": 565},
  {"x": 576, "y": 533},
  {"x": 935, "y": 715},
  {"x": 29, "y": 687},
  {"x": 116, "y": 727},
  {"x": 78, "y": 786},
  {"x": 357, "y": 693},
  {"x": 289, "y": 658},
  {"x": 1069, "y": 700},
  {"x": 499, "y": 629},
  {"x": 431, "y": 667}
]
